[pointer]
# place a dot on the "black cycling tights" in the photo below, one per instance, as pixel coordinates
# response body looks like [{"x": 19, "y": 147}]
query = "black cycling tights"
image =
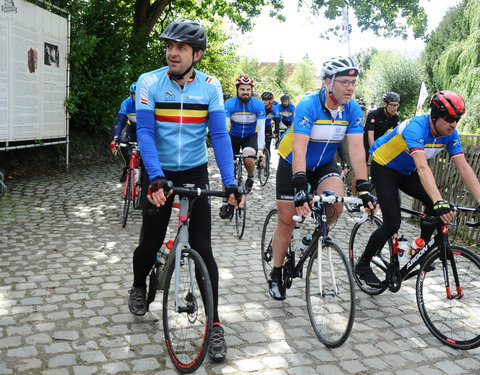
[
  {"x": 154, "y": 227},
  {"x": 387, "y": 182}
]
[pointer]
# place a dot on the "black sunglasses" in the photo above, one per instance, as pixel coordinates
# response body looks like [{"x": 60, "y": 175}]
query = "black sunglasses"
[{"x": 451, "y": 119}]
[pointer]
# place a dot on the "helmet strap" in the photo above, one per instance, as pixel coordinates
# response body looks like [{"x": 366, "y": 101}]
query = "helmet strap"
[
  {"x": 330, "y": 92},
  {"x": 434, "y": 120}
]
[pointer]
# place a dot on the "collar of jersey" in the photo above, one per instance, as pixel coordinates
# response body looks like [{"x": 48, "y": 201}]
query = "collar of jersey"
[{"x": 189, "y": 80}]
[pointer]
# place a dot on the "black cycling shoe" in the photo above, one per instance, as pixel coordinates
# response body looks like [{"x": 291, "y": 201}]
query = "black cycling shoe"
[
  {"x": 137, "y": 302},
  {"x": 364, "y": 271},
  {"x": 217, "y": 350},
  {"x": 275, "y": 287},
  {"x": 226, "y": 211},
  {"x": 248, "y": 185},
  {"x": 123, "y": 177}
]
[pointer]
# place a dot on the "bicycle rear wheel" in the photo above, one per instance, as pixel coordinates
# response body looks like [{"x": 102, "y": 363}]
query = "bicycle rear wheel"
[
  {"x": 455, "y": 320},
  {"x": 127, "y": 197},
  {"x": 264, "y": 171},
  {"x": 240, "y": 219},
  {"x": 332, "y": 309},
  {"x": 358, "y": 241},
  {"x": 188, "y": 326}
]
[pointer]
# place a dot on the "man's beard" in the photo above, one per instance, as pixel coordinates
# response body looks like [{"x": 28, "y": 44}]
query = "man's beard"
[{"x": 244, "y": 99}]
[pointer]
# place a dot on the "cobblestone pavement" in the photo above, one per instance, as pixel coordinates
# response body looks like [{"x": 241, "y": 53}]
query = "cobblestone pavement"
[{"x": 65, "y": 269}]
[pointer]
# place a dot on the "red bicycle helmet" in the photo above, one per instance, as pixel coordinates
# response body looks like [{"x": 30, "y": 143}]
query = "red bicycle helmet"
[
  {"x": 244, "y": 80},
  {"x": 447, "y": 103}
]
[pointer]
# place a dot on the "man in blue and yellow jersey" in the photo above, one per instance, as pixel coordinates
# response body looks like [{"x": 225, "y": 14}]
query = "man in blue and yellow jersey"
[
  {"x": 400, "y": 163},
  {"x": 246, "y": 126},
  {"x": 175, "y": 106},
  {"x": 307, "y": 151}
]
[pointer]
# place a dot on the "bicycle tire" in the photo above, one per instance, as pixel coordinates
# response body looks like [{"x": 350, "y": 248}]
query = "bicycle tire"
[
  {"x": 454, "y": 322},
  {"x": 264, "y": 171},
  {"x": 266, "y": 243},
  {"x": 187, "y": 334},
  {"x": 240, "y": 220},
  {"x": 331, "y": 310},
  {"x": 358, "y": 240},
  {"x": 127, "y": 197}
]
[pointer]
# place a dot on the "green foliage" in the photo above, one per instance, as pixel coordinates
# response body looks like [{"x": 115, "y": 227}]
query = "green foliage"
[
  {"x": 281, "y": 75},
  {"x": 391, "y": 71},
  {"x": 302, "y": 79},
  {"x": 380, "y": 16}
]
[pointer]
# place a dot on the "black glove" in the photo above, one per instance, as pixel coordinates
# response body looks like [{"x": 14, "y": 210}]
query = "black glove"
[
  {"x": 441, "y": 207},
  {"x": 236, "y": 190},
  {"x": 300, "y": 187},
  {"x": 363, "y": 191},
  {"x": 160, "y": 183}
]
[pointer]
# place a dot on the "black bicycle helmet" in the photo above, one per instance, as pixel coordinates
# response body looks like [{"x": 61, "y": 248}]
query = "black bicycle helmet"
[
  {"x": 285, "y": 98},
  {"x": 186, "y": 31},
  {"x": 339, "y": 66},
  {"x": 391, "y": 97},
  {"x": 267, "y": 95}
]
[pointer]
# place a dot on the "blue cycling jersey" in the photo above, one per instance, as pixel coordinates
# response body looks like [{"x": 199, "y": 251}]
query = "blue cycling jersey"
[
  {"x": 288, "y": 112},
  {"x": 243, "y": 117},
  {"x": 271, "y": 113},
  {"x": 313, "y": 118},
  {"x": 127, "y": 110},
  {"x": 394, "y": 150},
  {"x": 172, "y": 123}
]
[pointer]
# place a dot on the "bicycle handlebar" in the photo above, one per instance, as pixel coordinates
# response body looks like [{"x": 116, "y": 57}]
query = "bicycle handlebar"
[
  {"x": 197, "y": 192},
  {"x": 241, "y": 156}
]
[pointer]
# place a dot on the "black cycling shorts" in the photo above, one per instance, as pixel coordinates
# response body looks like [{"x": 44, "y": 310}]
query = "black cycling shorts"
[
  {"x": 249, "y": 142},
  {"x": 284, "y": 177}
]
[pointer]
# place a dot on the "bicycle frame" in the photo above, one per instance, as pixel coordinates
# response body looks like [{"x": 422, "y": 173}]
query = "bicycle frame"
[
  {"x": 133, "y": 165},
  {"x": 240, "y": 158}
]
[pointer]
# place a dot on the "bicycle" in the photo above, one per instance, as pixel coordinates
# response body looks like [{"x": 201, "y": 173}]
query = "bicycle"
[
  {"x": 187, "y": 304},
  {"x": 450, "y": 315},
  {"x": 3, "y": 187},
  {"x": 264, "y": 170},
  {"x": 329, "y": 285},
  {"x": 240, "y": 213},
  {"x": 133, "y": 183}
]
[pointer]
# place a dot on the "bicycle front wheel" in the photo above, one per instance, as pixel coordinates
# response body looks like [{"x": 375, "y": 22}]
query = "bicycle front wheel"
[
  {"x": 187, "y": 324},
  {"x": 452, "y": 315},
  {"x": 266, "y": 245},
  {"x": 127, "y": 197},
  {"x": 358, "y": 241},
  {"x": 240, "y": 219},
  {"x": 330, "y": 294},
  {"x": 264, "y": 172}
]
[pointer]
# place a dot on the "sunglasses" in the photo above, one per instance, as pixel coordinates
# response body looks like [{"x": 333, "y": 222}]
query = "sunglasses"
[{"x": 451, "y": 119}]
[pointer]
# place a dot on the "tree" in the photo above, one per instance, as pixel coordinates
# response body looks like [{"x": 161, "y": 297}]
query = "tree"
[
  {"x": 380, "y": 16},
  {"x": 391, "y": 71},
  {"x": 302, "y": 79},
  {"x": 281, "y": 74}
]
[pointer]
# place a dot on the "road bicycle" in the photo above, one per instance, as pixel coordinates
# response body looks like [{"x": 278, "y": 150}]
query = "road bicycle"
[
  {"x": 264, "y": 170},
  {"x": 329, "y": 284},
  {"x": 133, "y": 183},
  {"x": 240, "y": 213},
  {"x": 451, "y": 313},
  {"x": 347, "y": 176},
  {"x": 187, "y": 305}
]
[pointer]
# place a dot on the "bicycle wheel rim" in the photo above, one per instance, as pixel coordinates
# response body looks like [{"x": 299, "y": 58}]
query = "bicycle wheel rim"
[
  {"x": 264, "y": 172},
  {"x": 127, "y": 199},
  {"x": 266, "y": 244},
  {"x": 240, "y": 219},
  {"x": 331, "y": 310},
  {"x": 187, "y": 334},
  {"x": 358, "y": 240},
  {"x": 454, "y": 322}
]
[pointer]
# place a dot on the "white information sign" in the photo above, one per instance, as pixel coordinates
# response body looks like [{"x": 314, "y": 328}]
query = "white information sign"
[{"x": 33, "y": 73}]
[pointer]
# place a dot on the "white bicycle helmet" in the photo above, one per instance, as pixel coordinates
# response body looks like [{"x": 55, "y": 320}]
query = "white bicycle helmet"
[{"x": 339, "y": 65}]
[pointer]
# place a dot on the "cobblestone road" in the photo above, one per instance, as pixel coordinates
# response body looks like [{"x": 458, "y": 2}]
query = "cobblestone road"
[{"x": 66, "y": 269}]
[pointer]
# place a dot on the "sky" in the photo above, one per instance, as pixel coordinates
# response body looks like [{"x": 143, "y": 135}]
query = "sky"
[{"x": 298, "y": 36}]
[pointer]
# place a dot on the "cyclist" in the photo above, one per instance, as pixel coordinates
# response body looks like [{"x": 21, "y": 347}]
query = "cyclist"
[
  {"x": 175, "y": 106},
  {"x": 256, "y": 94},
  {"x": 381, "y": 119},
  {"x": 287, "y": 110},
  {"x": 307, "y": 156},
  {"x": 246, "y": 126},
  {"x": 400, "y": 163},
  {"x": 122, "y": 133},
  {"x": 272, "y": 113}
]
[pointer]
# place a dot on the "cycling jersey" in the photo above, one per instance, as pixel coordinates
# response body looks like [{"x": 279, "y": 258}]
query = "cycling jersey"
[
  {"x": 379, "y": 122},
  {"x": 272, "y": 113},
  {"x": 127, "y": 114},
  {"x": 313, "y": 118},
  {"x": 246, "y": 119},
  {"x": 286, "y": 113},
  {"x": 394, "y": 150},
  {"x": 172, "y": 123}
]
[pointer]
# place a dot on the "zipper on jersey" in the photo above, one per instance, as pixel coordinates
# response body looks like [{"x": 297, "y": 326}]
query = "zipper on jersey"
[{"x": 180, "y": 130}]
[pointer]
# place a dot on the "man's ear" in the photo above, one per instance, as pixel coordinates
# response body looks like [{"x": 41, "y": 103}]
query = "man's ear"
[{"x": 197, "y": 55}]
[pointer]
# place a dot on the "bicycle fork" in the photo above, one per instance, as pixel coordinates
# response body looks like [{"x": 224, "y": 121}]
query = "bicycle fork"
[{"x": 444, "y": 258}]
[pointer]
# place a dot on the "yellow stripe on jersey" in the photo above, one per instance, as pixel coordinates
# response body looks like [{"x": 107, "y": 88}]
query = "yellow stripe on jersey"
[
  {"x": 390, "y": 150},
  {"x": 286, "y": 144}
]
